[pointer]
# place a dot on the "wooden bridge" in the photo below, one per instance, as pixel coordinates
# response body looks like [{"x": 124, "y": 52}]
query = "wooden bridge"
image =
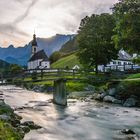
[
  {"x": 58, "y": 76},
  {"x": 38, "y": 75}
]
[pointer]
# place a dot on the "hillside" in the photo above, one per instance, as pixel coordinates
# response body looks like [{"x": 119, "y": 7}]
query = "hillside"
[
  {"x": 21, "y": 55},
  {"x": 4, "y": 65},
  {"x": 70, "y": 61},
  {"x": 70, "y": 46}
]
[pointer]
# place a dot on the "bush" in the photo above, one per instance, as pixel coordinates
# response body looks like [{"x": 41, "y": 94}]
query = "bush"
[
  {"x": 129, "y": 88},
  {"x": 34, "y": 76}
]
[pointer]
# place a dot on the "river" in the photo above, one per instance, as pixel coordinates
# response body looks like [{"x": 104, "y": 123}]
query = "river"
[{"x": 78, "y": 121}]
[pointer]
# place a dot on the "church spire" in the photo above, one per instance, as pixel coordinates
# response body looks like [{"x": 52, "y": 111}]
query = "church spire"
[{"x": 34, "y": 44}]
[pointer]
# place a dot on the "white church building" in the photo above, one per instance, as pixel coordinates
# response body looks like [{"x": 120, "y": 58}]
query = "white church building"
[{"x": 38, "y": 59}]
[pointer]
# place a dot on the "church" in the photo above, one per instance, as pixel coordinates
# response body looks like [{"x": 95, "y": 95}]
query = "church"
[{"x": 38, "y": 59}]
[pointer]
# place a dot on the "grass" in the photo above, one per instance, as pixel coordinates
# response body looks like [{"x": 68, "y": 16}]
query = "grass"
[
  {"x": 7, "y": 132},
  {"x": 133, "y": 76},
  {"x": 69, "y": 61},
  {"x": 75, "y": 86}
]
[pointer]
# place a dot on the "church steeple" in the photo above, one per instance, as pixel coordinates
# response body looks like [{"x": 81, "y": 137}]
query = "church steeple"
[{"x": 34, "y": 45}]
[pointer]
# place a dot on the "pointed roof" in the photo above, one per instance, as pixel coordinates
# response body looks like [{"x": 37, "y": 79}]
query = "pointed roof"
[
  {"x": 123, "y": 55},
  {"x": 39, "y": 55},
  {"x": 34, "y": 42}
]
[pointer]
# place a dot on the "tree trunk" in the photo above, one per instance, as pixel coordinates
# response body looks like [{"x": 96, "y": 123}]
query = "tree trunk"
[{"x": 96, "y": 68}]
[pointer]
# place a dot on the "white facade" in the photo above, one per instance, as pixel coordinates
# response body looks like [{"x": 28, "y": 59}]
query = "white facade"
[
  {"x": 39, "y": 64},
  {"x": 120, "y": 65},
  {"x": 124, "y": 62}
]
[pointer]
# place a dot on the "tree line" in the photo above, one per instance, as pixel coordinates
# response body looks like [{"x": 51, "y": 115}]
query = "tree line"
[{"x": 100, "y": 37}]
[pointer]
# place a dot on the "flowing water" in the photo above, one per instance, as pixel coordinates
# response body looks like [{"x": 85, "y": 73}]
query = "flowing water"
[{"x": 78, "y": 121}]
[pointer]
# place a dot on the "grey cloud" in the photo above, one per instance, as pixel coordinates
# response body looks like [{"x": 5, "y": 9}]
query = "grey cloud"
[
  {"x": 9, "y": 29},
  {"x": 25, "y": 14}
]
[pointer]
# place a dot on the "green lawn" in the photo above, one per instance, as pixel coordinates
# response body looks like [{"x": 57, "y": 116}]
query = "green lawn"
[
  {"x": 69, "y": 61},
  {"x": 133, "y": 76}
]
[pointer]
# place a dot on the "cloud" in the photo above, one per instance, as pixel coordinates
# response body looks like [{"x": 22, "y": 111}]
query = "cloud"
[
  {"x": 48, "y": 17},
  {"x": 25, "y": 14}
]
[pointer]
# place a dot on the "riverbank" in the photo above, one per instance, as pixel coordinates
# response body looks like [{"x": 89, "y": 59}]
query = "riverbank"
[
  {"x": 11, "y": 127},
  {"x": 124, "y": 92},
  {"x": 9, "y": 123}
]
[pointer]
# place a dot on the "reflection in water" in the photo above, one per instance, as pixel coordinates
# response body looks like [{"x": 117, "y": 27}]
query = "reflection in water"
[{"x": 78, "y": 121}]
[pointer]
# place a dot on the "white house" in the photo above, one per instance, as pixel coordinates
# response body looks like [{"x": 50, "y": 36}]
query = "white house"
[
  {"x": 76, "y": 67},
  {"x": 39, "y": 59},
  {"x": 124, "y": 62}
]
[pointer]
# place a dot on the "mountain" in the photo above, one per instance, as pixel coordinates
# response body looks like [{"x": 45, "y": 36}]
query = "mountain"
[
  {"x": 54, "y": 43},
  {"x": 21, "y": 55},
  {"x": 70, "y": 46}
]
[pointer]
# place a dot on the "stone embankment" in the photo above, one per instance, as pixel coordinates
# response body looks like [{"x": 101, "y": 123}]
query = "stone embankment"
[{"x": 110, "y": 96}]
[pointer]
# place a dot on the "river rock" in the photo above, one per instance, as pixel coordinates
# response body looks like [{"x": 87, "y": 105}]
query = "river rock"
[
  {"x": 15, "y": 122},
  {"x": 109, "y": 99},
  {"x": 5, "y": 117},
  {"x": 112, "y": 92},
  {"x": 36, "y": 88},
  {"x": 128, "y": 132},
  {"x": 31, "y": 125},
  {"x": 103, "y": 95},
  {"x": 116, "y": 101},
  {"x": 130, "y": 102},
  {"x": 98, "y": 97},
  {"x": 25, "y": 129}
]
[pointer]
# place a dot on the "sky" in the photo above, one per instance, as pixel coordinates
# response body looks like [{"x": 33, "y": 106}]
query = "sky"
[{"x": 19, "y": 18}]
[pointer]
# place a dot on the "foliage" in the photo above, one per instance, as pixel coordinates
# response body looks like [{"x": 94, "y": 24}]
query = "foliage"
[
  {"x": 34, "y": 76},
  {"x": 75, "y": 86},
  {"x": 128, "y": 88},
  {"x": 133, "y": 76},
  {"x": 136, "y": 60},
  {"x": 96, "y": 47},
  {"x": 7, "y": 132},
  {"x": 14, "y": 68},
  {"x": 127, "y": 15},
  {"x": 55, "y": 56}
]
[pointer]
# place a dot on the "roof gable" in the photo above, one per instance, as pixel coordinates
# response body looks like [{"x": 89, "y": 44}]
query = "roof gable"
[
  {"x": 39, "y": 55},
  {"x": 124, "y": 55}
]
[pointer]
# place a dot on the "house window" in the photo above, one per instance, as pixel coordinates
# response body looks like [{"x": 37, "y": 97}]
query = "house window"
[
  {"x": 119, "y": 63},
  {"x": 114, "y": 62}
]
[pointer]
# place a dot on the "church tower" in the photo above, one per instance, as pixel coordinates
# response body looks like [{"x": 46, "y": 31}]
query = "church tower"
[{"x": 34, "y": 45}]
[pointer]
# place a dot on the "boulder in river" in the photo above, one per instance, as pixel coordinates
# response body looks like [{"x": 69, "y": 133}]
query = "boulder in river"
[
  {"x": 128, "y": 132},
  {"x": 109, "y": 99},
  {"x": 130, "y": 102},
  {"x": 112, "y": 92},
  {"x": 31, "y": 125},
  {"x": 98, "y": 97},
  {"x": 116, "y": 101}
]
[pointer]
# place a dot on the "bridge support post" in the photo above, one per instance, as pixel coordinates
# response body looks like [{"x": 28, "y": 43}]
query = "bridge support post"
[{"x": 60, "y": 95}]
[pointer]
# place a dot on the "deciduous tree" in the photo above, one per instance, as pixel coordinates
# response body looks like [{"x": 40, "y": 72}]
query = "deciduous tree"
[{"x": 96, "y": 46}]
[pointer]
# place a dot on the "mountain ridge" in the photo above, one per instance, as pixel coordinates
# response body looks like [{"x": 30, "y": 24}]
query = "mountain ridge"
[{"x": 21, "y": 55}]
